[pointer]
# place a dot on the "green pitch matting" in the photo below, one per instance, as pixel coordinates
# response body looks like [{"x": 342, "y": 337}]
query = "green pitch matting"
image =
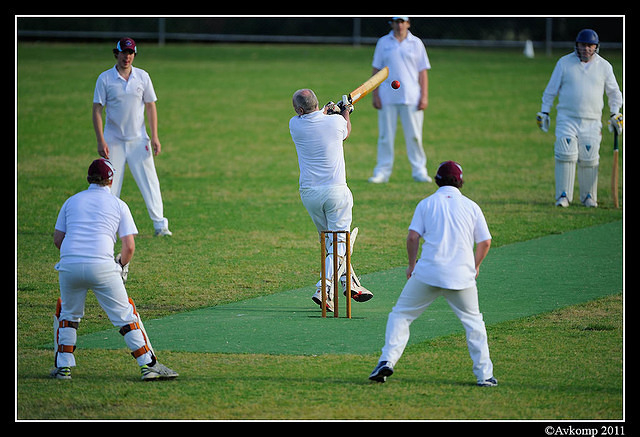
[{"x": 516, "y": 280}]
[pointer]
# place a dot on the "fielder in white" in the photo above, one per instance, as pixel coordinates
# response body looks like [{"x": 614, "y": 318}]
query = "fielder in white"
[
  {"x": 85, "y": 232},
  {"x": 125, "y": 93},
  {"x": 406, "y": 57},
  {"x": 450, "y": 225},
  {"x": 319, "y": 138},
  {"x": 579, "y": 80}
]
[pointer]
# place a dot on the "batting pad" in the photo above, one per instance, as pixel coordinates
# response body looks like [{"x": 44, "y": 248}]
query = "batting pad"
[{"x": 515, "y": 281}]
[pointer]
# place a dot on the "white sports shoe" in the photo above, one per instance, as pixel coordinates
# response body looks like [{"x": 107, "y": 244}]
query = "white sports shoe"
[
  {"x": 589, "y": 202},
  {"x": 563, "y": 201},
  {"x": 378, "y": 179},
  {"x": 157, "y": 371},
  {"x": 422, "y": 178},
  {"x": 164, "y": 232},
  {"x": 358, "y": 292},
  {"x": 317, "y": 298}
]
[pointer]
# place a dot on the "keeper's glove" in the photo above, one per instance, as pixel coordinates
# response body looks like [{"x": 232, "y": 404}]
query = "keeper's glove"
[{"x": 125, "y": 268}]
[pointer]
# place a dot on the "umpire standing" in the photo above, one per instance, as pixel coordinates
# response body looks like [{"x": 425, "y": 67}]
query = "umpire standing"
[
  {"x": 406, "y": 57},
  {"x": 450, "y": 224}
]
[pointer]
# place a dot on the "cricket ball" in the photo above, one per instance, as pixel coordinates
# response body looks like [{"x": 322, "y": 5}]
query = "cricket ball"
[{"x": 395, "y": 84}]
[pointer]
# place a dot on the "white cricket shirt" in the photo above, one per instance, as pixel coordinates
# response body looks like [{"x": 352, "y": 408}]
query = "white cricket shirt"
[
  {"x": 405, "y": 60},
  {"x": 580, "y": 87},
  {"x": 319, "y": 144},
  {"x": 91, "y": 219},
  {"x": 450, "y": 225},
  {"x": 124, "y": 102}
]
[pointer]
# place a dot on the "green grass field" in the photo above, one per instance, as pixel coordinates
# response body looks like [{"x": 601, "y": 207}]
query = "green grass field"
[{"x": 229, "y": 173}]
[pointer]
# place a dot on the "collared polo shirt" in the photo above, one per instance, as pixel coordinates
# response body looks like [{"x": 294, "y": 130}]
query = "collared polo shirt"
[
  {"x": 450, "y": 225},
  {"x": 405, "y": 60},
  {"x": 91, "y": 220},
  {"x": 319, "y": 144},
  {"x": 124, "y": 102}
]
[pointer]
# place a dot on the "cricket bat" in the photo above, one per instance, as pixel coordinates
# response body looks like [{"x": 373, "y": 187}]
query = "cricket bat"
[
  {"x": 369, "y": 85},
  {"x": 614, "y": 173}
]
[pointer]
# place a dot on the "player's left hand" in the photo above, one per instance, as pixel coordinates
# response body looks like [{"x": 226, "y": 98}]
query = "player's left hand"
[{"x": 615, "y": 122}]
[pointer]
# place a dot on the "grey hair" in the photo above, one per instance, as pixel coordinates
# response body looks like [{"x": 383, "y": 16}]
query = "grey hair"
[{"x": 306, "y": 100}]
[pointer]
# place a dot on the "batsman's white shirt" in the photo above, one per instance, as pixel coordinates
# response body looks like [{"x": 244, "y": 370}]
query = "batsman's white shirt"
[
  {"x": 91, "y": 219},
  {"x": 450, "y": 224},
  {"x": 580, "y": 87},
  {"x": 405, "y": 60},
  {"x": 318, "y": 139},
  {"x": 124, "y": 102}
]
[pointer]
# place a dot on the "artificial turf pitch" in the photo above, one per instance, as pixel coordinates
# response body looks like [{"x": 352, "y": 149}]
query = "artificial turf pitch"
[{"x": 515, "y": 281}]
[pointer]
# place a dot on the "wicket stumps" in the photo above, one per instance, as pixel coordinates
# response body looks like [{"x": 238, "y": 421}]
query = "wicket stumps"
[{"x": 336, "y": 275}]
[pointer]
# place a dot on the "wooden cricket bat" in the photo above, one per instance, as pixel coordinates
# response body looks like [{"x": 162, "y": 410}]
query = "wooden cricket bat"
[
  {"x": 371, "y": 84},
  {"x": 614, "y": 173}
]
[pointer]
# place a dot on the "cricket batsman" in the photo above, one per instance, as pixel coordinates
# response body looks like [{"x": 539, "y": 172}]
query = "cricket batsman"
[
  {"x": 579, "y": 80},
  {"x": 318, "y": 138}
]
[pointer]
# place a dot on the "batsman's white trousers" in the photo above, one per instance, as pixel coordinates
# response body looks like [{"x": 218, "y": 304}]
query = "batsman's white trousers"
[
  {"x": 139, "y": 156},
  {"x": 577, "y": 140},
  {"x": 415, "y": 299},
  {"x": 412, "y": 120},
  {"x": 105, "y": 281},
  {"x": 330, "y": 209}
]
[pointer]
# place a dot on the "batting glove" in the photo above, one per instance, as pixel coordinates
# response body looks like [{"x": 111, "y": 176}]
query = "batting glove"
[
  {"x": 615, "y": 122},
  {"x": 543, "y": 121}
]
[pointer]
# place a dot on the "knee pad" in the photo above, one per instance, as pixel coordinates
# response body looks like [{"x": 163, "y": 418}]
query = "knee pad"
[
  {"x": 566, "y": 148},
  {"x": 589, "y": 150}
]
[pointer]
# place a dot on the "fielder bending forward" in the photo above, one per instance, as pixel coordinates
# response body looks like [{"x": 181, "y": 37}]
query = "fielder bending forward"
[
  {"x": 450, "y": 224},
  {"x": 85, "y": 233},
  {"x": 318, "y": 138}
]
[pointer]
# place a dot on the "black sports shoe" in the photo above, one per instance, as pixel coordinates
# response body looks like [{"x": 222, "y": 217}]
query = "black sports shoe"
[
  {"x": 382, "y": 370},
  {"x": 491, "y": 382}
]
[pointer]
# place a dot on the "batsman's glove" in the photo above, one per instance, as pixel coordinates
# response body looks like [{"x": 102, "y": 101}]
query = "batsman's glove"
[
  {"x": 331, "y": 108},
  {"x": 615, "y": 122},
  {"x": 543, "y": 121},
  {"x": 346, "y": 104},
  {"x": 125, "y": 268},
  {"x": 337, "y": 108}
]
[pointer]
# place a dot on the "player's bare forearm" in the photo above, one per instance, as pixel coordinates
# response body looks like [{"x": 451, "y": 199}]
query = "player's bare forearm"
[
  {"x": 152, "y": 117},
  {"x": 482, "y": 249},
  {"x": 423, "y": 81},
  {"x": 413, "y": 244},
  {"x": 96, "y": 116},
  {"x": 128, "y": 248}
]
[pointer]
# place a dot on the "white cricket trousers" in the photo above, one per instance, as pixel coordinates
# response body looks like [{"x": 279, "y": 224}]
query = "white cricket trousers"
[
  {"x": 415, "y": 299},
  {"x": 139, "y": 156},
  {"x": 577, "y": 140},
  {"x": 412, "y": 120},
  {"x": 330, "y": 208},
  {"x": 105, "y": 281}
]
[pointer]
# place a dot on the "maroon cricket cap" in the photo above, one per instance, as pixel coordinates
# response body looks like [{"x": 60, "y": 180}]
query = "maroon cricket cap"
[
  {"x": 449, "y": 169},
  {"x": 101, "y": 168},
  {"x": 126, "y": 44}
]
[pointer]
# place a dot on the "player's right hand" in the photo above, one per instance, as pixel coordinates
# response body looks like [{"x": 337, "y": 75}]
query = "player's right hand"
[
  {"x": 103, "y": 150},
  {"x": 543, "y": 121}
]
